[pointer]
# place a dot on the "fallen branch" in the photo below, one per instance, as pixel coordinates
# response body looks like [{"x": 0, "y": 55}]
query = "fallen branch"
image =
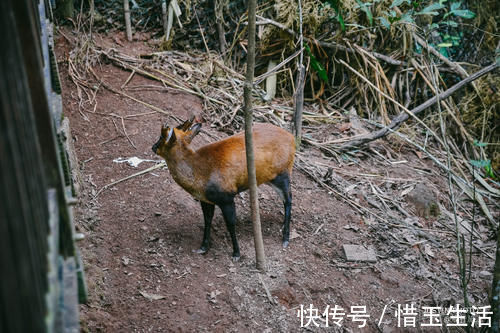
[
  {"x": 396, "y": 122},
  {"x": 407, "y": 112},
  {"x": 273, "y": 70},
  {"x": 125, "y": 132},
  {"x": 453, "y": 65},
  {"x": 268, "y": 294},
  {"x": 154, "y": 167}
]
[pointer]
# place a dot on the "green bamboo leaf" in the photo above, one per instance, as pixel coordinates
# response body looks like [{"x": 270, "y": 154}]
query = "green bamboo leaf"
[
  {"x": 336, "y": 7},
  {"x": 399, "y": 2},
  {"x": 408, "y": 17},
  {"x": 444, "y": 52},
  {"x": 431, "y": 9},
  {"x": 334, "y": 4},
  {"x": 445, "y": 45},
  {"x": 366, "y": 8},
  {"x": 384, "y": 22},
  {"x": 394, "y": 19},
  {"x": 489, "y": 171},
  {"x": 427, "y": 13},
  {"x": 317, "y": 66},
  {"x": 455, "y": 6},
  {"x": 450, "y": 23},
  {"x": 486, "y": 165},
  {"x": 480, "y": 144},
  {"x": 465, "y": 13},
  {"x": 341, "y": 20},
  {"x": 480, "y": 163}
]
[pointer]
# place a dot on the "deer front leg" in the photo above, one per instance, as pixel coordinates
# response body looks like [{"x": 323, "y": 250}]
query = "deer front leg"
[{"x": 208, "y": 214}]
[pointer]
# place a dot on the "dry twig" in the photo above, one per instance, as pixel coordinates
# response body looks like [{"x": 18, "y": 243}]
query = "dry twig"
[
  {"x": 396, "y": 122},
  {"x": 154, "y": 167}
]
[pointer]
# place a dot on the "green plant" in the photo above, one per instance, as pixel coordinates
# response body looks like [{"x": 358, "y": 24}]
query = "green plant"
[
  {"x": 335, "y": 4},
  {"x": 317, "y": 66},
  {"x": 443, "y": 27},
  {"x": 483, "y": 164},
  {"x": 365, "y": 7},
  {"x": 486, "y": 165}
]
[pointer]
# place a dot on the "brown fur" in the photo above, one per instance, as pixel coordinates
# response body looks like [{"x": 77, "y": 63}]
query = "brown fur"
[{"x": 224, "y": 162}]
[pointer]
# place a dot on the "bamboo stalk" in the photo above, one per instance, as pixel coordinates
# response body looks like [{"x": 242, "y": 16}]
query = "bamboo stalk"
[
  {"x": 260, "y": 257},
  {"x": 299, "y": 94},
  {"x": 164, "y": 17},
  {"x": 126, "y": 9}
]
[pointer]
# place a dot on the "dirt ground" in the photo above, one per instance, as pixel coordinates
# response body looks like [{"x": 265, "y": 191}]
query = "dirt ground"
[{"x": 139, "y": 234}]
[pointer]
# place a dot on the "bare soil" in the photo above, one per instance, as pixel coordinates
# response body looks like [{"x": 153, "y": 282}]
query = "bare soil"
[{"x": 139, "y": 235}]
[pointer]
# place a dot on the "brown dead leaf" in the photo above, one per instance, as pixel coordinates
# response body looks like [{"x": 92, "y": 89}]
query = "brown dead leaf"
[
  {"x": 345, "y": 127},
  {"x": 117, "y": 41}
]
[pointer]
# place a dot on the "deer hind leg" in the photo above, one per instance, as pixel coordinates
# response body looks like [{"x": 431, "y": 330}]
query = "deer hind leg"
[
  {"x": 282, "y": 185},
  {"x": 229, "y": 213}
]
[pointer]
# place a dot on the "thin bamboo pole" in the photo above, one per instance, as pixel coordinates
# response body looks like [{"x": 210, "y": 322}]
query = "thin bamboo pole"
[{"x": 126, "y": 9}]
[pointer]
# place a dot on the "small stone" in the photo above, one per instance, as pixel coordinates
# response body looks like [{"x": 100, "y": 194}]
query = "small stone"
[
  {"x": 125, "y": 261},
  {"x": 359, "y": 253},
  {"x": 485, "y": 274},
  {"x": 424, "y": 201}
]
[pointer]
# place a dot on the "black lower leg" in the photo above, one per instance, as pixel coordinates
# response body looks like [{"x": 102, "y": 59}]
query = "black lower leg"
[
  {"x": 288, "y": 215},
  {"x": 229, "y": 213},
  {"x": 208, "y": 214},
  {"x": 282, "y": 183}
]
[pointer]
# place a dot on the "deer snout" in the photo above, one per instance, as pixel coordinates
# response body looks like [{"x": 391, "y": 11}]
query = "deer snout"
[{"x": 155, "y": 148}]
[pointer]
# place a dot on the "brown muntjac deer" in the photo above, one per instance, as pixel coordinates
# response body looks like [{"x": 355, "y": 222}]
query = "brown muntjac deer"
[{"x": 215, "y": 173}]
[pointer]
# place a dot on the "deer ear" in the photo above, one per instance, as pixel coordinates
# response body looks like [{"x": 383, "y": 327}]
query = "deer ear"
[
  {"x": 184, "y": 127},
  {"x": 164, "y": 130},
  {"x": 193, "y": 131},
  {"x": 170, "y": 137},
  {"x": 196, "y": 128}
]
